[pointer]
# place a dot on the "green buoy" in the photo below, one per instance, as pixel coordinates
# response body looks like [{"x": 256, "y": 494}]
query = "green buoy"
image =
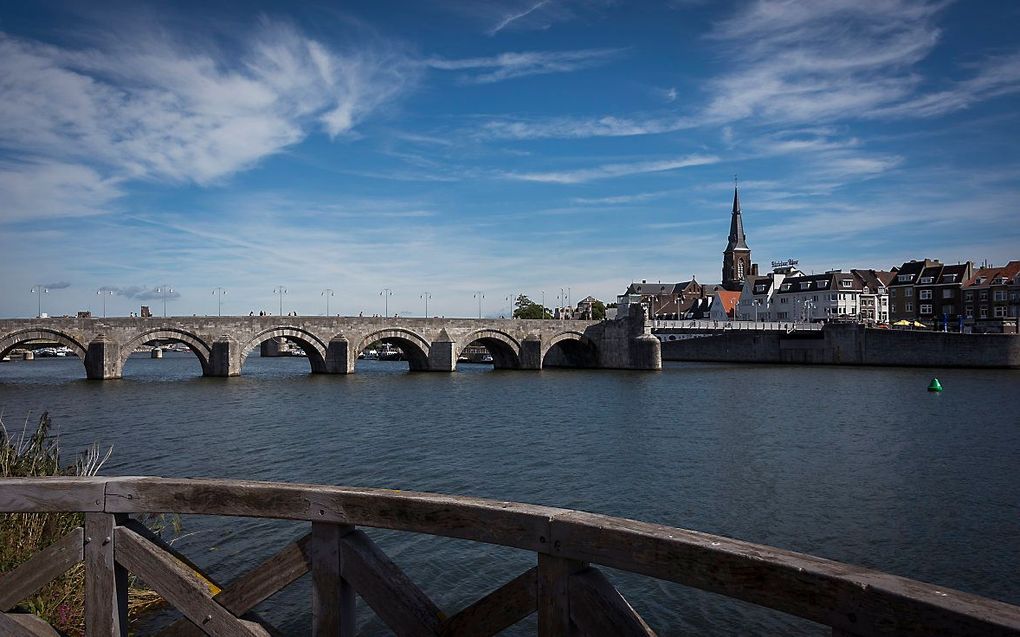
[{"x": 935, "y": 386}]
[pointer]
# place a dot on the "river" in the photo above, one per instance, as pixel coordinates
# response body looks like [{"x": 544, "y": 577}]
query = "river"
[{"x": 861, "y": 465}]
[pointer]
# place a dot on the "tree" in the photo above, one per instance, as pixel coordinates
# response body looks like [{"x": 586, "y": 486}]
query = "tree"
[
  {"x": 598, "y": 311},
  {"x": 525, "y": 308}
]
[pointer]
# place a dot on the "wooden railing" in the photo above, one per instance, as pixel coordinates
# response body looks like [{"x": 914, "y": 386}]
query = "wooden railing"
[{"x": 570, "y": 596}]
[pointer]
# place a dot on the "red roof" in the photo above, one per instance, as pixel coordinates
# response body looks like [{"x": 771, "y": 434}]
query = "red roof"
[{"x": 728, "y": 300}]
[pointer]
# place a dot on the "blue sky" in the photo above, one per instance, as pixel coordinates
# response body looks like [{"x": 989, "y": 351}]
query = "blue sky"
[{"x": 456, "y": 146}]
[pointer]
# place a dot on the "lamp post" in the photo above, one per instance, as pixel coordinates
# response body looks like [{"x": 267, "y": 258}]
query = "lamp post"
[
  {"x": 511, "y": 300},
  {"x": 479, "y": 295},
  {"x": 219, "y": 292},
  {"x": 281, "y": 291},
  {"x": 328, "y": 292},
  {"x": 426, "y": 295},
  {"x": 543, "y": 303},
  {"x": 386, "y": 294},
  {"x": 163, "y": 291},
  {"x": 103, "y": 292},
  {"x": 562, "y": 301},
  {"x": 39, "y": 290}
]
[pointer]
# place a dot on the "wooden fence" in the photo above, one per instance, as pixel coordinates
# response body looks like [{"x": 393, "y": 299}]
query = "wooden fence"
[{"x": 571, "y": 596}]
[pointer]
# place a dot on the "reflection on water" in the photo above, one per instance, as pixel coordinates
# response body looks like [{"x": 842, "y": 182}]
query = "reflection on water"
[{"x": 855, "y": 464}]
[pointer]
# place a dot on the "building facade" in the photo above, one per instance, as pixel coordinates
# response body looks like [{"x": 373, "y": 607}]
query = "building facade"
[
  {"x": 737, "y": 256},
  {"x": 991, "y": 299},
  {"x": 929, "y": 292}
]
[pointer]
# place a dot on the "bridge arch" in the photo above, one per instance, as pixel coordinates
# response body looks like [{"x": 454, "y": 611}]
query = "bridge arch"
[
  {"x": 414, "y": 346},
  {"x": 569, "y": 349},
  {"x": 309, "y": 343},
  {"x": 504, "y": 349},
  {"x": 12, "y": 340},
  {"x": 195, "y": 343}
]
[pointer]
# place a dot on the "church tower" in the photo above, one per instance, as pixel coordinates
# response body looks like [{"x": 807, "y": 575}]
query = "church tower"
[{"x": 737, "y": 258}]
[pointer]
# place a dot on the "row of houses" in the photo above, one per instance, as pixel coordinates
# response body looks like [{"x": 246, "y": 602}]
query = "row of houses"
[{"x": 951, "y": 297}]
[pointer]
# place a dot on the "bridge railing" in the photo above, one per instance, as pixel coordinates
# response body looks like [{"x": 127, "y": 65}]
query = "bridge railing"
[
  {"x": 743, "y": 326},
  {"x": 570, "y": 595}
]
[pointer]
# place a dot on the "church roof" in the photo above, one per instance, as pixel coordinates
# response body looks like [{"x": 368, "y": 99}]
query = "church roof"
[{"x": 737, "y": 239}]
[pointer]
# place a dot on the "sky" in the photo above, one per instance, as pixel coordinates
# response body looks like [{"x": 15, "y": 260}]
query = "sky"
[{"x": 456, "y": 147}]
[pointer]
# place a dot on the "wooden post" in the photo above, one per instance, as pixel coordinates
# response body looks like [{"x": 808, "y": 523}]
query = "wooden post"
[
  {"x": 105, "y": 580},
  {"x": 332, "y": 595},
  {"x": 553, "y": 596}
]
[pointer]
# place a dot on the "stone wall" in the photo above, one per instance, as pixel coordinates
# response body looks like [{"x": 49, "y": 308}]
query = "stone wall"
[{"x": 852, "y": 345}]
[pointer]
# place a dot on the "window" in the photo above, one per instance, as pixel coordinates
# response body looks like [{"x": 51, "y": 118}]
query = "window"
[
  {"x": 909, "y": 292},
  {"x": 949, "y": 309},
  {"x": 1000, "y": 311},
  {"x": 949, "y": 278},
  {"x": 823, "y": 284},
  {"x": 785, "y": 287},
  {"x": 847, "y": 283},
  {"x": 1000, "y": 295},
  {"x": 968, "y": 295},
  {"x": 909, "y": 307},
  {"x": 926, "y": 308},
  {"x": 924, "y": 295},
  {"x": 969, "y": 311},
  {"x": 925, "y": 279},
  {"x": 892, "y": 292},
  {"x": 984, "y": 312},
  {"x": 905, "y": 277},
  {"x": 740, "y": 269},
  {"x": 784, "y": 300},
  {"x": 832, "y": 297},
  {"x": 759, "y": 288},
  {"x": 947, "y": 293},
  {"x": 984, "y": 295},
  {"x": 806, "y": 285},
  {"x": 815, "y": 298}
]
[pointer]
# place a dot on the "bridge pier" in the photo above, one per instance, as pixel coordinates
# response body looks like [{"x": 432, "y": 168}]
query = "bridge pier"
[
  {"x": 102, "y": 359},
  {"x": 442, "y": 354},
  {"x": 339, "y": 357},
  {"x": 224, "y": 358},
  {"x": 531, "y": 352}
]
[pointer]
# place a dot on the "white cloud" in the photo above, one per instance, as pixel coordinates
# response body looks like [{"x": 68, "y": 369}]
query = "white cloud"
[
  {"x": 580, "y": 127},
  {"x": 517, "y": 15},
  {"x": 43, "y": 189},
  {"x": 606, "y": 171},
  {"x": 145, "y": 107},
  {"x": 511, "y": 65}
]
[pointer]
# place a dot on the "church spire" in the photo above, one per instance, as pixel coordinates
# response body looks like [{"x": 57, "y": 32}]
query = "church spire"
[{"x": 737, "y": 239}]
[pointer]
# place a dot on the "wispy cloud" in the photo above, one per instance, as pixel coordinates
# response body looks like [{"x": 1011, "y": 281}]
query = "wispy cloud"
[
  {"x": 581, "y": 127},
  {"x": 517, "y": 15},
  {"x": 36, "y": 189},
  {"x": 141, "y": 107},
  {"x": 606, "y": 171},
  {"x": 506, "y": 66}
]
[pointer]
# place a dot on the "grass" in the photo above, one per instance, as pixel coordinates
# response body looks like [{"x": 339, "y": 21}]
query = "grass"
[{"x": 62, "y": 601}]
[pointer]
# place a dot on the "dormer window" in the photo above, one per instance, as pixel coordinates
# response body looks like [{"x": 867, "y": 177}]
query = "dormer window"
[
  {"x": 950, "y": 278},
  {"x": 806, "y": 285},
  {"x": 926, "y": 279},
  {"x": 823, "y": 284},
  {"x": 785, "y": 287},
  {"x": 904, "y": 277},
  {"x": 847, "y": 283}
]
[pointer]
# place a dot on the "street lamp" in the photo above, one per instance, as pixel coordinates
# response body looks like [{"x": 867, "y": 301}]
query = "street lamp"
[
  {"x": 39, "y": 290},
  {"x": 386, "y": 294},
  {"x": 561, "y": 300},
  {"x": 543, "y": 303},
  {"x": 426, "y": 295},
  {"x": 219, "y": 292},
  {"x": 163, "y": 291},
  {"x": 328, "y": 292},
  {"x": 104, "y": 292},
  {"x": 281, "y": 291},
  {"x": 511, "y": 299},
  {"x": 479, "y": 295}
]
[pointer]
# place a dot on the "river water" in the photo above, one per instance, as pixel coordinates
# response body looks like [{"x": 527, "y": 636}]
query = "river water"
[{"x": 860, "y": 465}]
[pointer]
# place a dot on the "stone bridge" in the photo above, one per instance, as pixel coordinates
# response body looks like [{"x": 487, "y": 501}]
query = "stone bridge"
[{"x": 222, "y": 344}]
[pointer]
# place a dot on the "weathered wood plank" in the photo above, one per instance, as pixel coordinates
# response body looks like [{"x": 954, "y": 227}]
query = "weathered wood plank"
[
  {"x": 861, "y": 601},
  {"x": 38, "y": 570},
  {"x": 105, "y": 581},
  {"x": 599, "y": 610},
  {"x": 398, "y": 602},
  {"x": 254, "y": 587},
  {"x": 25, "y": 625},
  {"x": 177, "y": 584},
  {"x": 497, "y": 611},
  {"x": 553, "y": 594},
  {"x": 507, "y": 523},
  {"x": 45, "y": 495},
  {"x": 332, "y": 596}
]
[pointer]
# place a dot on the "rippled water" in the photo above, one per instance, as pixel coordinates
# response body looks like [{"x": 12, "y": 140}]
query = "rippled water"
[{"x": 855, "y": 464}]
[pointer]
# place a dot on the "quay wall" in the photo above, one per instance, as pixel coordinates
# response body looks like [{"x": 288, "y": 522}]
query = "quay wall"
[{"x": 852, "y": 345}]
